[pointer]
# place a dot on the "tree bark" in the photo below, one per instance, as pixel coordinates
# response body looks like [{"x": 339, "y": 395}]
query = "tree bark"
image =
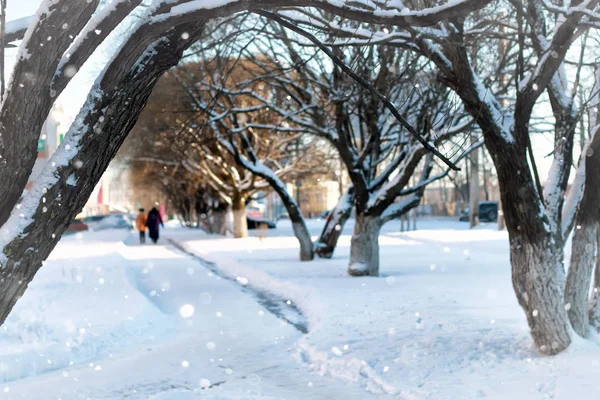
[
  {"x": 219, "y": 222},
  {"x": 29, "y": 95},
  {"x": 334, "y": 225},
  {"x": 307, "y": 250},
  {"x": 474, "y": 186},
  {"x": 364, "y": 246},
  {"x": 584, "y": 247},
  {"x": 536, "y": 247},
  {"x": 110, "y": 112},
  {"x": 577, "y": 292},
  {"x": 240, "y": 223}
]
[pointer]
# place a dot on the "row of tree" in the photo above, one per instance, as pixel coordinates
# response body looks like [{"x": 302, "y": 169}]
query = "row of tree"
[
  {"x": 268, "y": 107},
  {"x": 500, "y": 62}
]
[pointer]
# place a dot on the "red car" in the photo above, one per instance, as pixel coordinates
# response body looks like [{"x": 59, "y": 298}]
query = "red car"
[{"x": 77, "y": 226}]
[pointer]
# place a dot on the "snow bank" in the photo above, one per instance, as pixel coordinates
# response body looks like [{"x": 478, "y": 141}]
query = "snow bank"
[{"x": 260, "y": 281}]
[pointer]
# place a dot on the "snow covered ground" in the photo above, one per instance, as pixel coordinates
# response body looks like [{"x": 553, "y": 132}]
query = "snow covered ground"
[{"x": 109, "y": 319}]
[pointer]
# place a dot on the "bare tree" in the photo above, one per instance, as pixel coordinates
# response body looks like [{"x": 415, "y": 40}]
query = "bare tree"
[
  {"x": 223, "y": 91},
  {"x": 584, "y": 252},
  {"x": 533, "y": 214},
  {"x": 361, "y": 121},
  {"x": 60, "y": 38}
]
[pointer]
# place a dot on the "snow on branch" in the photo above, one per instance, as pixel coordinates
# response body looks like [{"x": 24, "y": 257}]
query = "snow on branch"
[
  {"x": 400, "y": 208},
  {"x": 340, "y": 63},
  {"x": 358, "y": 10},
  {"x": 421, "y": 185},
  {"x": 565, "y": 33},
  {"x": 96, "y": 30}
]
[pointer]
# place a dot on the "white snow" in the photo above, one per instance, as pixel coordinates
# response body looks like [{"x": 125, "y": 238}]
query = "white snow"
[{"x": 107, "y": 318}]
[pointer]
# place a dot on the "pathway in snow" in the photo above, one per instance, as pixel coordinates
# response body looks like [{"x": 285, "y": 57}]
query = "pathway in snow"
[
  {"x": 280, "y": 307},
  {"x": 213, "y": 340}
]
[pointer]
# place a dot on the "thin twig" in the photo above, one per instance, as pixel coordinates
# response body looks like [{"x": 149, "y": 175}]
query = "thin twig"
[{"x": 336, "y": 60}]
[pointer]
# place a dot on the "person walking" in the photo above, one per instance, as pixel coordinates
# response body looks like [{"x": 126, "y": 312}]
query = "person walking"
[
  {"x": 140, "y": 224},
  {"x": 153, "y": 221}
]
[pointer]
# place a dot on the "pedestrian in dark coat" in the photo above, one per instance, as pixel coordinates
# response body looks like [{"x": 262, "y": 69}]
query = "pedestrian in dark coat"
[{"x": 153, "y": 221}]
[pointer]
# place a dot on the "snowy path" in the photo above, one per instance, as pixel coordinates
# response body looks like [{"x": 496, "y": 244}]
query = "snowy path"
[
  {"x": 440, "y": 323},
  {"x": 230, "y": 344}
]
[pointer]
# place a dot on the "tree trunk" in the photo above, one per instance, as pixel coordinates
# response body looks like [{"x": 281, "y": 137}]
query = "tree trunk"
[
  {"x": 501, "y": 224},
  {"x": 535, "y": 281},
  {"x": 474, "y": 186},
  {"x": 536, "y": 244},
  {"x": 219, "y": 222},
  {"x": 307, "y": 250},
  {"x": 240, "y": 223},
  {"x": 577, "y": 292},
  {"x": 334, "y": 225},
  {"x": 364, "y": 246},
  {"x": 536, "y": 255},
  {"x": 102, "y": 125},
  {"x": 584, "y": 247}
]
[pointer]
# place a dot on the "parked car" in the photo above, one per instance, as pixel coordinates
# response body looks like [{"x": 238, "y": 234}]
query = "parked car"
[
  {"x": 254, "y": 223},
  {"x": 77, "y": 226},
  {"x": 109, "y": 221},
  {"x": 488, "y": 212}
]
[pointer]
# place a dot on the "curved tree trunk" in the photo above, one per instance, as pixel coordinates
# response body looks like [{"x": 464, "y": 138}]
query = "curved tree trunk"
[
  {"x": 240, "y": 223},
  {"x": 62, "y": 189},
  {"x": 364, "y": 246},
  {"x": 334, "y": 225},
  {"x": 307, "y": 250}
]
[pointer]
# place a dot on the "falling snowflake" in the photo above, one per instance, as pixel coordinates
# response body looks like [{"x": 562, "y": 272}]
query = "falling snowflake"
[{"x": 186, "y": 310}]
